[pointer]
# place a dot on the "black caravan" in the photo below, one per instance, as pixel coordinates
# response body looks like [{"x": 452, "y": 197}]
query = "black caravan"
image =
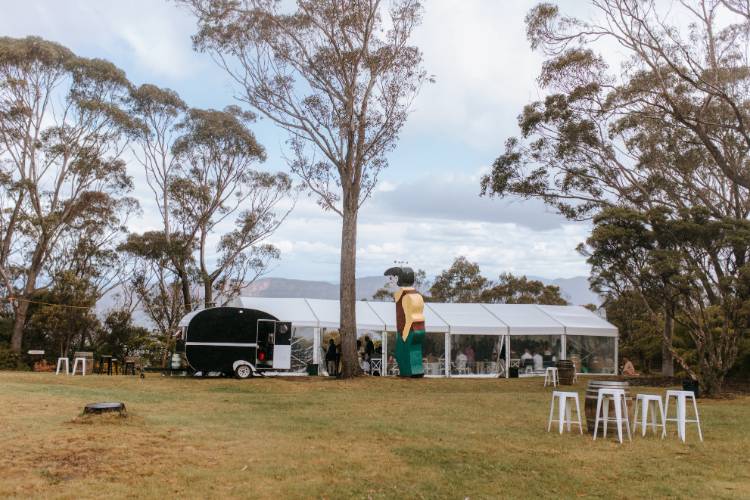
[{"x": 236, "y": 340}]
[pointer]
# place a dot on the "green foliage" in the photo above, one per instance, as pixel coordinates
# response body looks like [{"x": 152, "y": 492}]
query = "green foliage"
[
  {"x": 511, "y": 289},
  {"x": 63, "y": 125},
  {"x": 385, "y": 294},
  {"x": 639, "y": 330},
  {"x": 62, "y": 319},
  {"x": 652, "y": 258},
  {"x": 656, "y": 152},
  {"x": 463, "y": 282},
  {"x": 119, "y": 337},
  {"x": 10, "y": 360}
]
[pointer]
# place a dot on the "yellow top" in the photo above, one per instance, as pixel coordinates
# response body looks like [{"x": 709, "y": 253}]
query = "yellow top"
[{"x": 413, "y": 305}]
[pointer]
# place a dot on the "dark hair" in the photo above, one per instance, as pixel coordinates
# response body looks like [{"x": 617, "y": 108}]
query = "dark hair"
[{"x": 405, "y": 275}]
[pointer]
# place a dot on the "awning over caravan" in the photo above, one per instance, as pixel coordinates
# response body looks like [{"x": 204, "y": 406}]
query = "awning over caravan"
[{"x": 461, "y": 319}]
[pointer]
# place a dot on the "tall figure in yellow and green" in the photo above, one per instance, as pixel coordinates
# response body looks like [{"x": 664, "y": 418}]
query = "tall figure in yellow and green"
[{"x": 409, "y": 322}]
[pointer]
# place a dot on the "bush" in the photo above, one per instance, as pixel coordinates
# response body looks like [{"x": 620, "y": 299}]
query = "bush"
[{"x": 10, "y": 360}]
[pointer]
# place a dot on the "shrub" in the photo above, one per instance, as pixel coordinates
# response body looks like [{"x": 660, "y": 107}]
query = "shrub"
[{"x": 10, "y": 360}]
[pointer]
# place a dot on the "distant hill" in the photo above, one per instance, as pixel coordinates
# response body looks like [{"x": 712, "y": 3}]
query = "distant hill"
[
  {"x": 284, "y": 287},
  {"x": 574, "y": 290}
]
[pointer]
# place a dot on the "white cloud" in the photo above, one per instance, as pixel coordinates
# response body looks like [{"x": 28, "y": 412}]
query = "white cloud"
[
  {"x": 152, "y": 36},
  {"x": 484, "y": 69},
  {"x": 485, "y": 73}
]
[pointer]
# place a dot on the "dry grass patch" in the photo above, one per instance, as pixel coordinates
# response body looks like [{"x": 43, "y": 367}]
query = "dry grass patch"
[{"x": 367, "y": 438}]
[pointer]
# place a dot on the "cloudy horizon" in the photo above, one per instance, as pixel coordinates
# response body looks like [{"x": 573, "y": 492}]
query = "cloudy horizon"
[{"x": 426, "y": 208}]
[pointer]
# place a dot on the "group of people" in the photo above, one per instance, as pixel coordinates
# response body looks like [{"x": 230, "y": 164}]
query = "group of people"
[
  {"x": 466, "y": 358},
  {"x": 537, "y": 362},
  {"x": 365, "y": 350}
]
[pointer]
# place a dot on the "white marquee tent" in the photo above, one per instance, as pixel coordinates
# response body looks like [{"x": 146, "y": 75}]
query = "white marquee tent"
[{"x": 484, "y": 332}]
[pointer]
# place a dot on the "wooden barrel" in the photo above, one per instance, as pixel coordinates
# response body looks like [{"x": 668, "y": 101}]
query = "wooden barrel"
[
  {"x": 566, "y": 371},
  {"x": 592, "y": 393}
]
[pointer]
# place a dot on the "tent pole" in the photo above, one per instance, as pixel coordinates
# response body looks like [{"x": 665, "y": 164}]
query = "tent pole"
[
  {"x": 383, "y": 354},
  {"x": 447, "y": 356},
  {"x": 507, "y": 356},
  {"x": 617, "y": 361},
  {"x": 316, "y": 347}
]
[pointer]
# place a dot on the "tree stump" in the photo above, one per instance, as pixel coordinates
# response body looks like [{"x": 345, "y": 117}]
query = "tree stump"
[{"x": 99, "y": 408}]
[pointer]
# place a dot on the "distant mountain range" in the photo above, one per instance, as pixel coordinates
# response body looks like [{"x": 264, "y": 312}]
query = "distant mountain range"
[{"x": 574, "y": 290}]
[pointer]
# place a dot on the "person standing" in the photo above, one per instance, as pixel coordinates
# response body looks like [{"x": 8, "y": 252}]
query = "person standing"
[
  {"x": 369, "y": 348},
  {"x": 331, "y": 357}
]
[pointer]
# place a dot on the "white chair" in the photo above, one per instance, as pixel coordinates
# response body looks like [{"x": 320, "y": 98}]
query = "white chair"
[
  {"x": 602, "y": 411},
  {"x": 648, "y": 402},
  {"x": 60, "y": 362},
  {"x": 550, "y": 376},
  {"x": 563, "y": 411},
  {"x": 83, "y": 365},
  {"x": 680, "y": 399},
  {"x": 461, "y": 367}
]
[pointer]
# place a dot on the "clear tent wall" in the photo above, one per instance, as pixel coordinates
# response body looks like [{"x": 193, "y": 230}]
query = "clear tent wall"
[{"x": 479, "y": 340}]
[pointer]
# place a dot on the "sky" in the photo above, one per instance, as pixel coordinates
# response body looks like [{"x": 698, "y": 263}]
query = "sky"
[{"x": 426, "y": 209}]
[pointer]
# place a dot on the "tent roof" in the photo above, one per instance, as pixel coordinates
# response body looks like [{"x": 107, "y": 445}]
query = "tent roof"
[
  {"x": 387, "y": 311},
  {"x": 185, "y": 321},
  {"x": 526, "y": 319},
  {"x": 580, "y": 321},
  {"x": 468, "y": 319},
  {"x": 327, "y": 312},
  {"x": 295, "y": 310}
]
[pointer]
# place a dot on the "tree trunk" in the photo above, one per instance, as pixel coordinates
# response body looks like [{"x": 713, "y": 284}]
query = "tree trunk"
[
  {"x": 185, "y": 285},
  {"x": 667, "y": 360},
  {"x": 19, "y": 323},
  {"x": 347, "y": 292},
  {"x": 208, "y": 293}
]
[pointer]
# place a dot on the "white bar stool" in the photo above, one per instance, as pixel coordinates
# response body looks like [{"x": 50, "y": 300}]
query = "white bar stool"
[
  {"x": 563, "y": 411},
  {"x": 621, "y": 406},
  {"x": 83, "y": 366},
  {"x": 647, "y": 401},
  {"x": 680, "y": 399},
  {"x": 60, "y": 362},
  {"x": 550, "y": 376}
]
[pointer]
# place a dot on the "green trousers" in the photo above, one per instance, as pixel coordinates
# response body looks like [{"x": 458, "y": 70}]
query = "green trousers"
[{"x": 409, "y": 354}]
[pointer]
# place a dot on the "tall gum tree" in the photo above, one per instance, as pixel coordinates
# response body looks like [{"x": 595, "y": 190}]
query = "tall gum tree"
[
  {"x": 159, "y": 112},
  {"x": 666, "y": 132},
  {"x": 215, "y": 180},
  {"x": 339, "y": 77},
  {"x": 61, "y": 135}
]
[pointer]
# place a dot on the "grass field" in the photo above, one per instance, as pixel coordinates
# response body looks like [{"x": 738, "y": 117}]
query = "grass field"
[{"x": 320, "y": 438}]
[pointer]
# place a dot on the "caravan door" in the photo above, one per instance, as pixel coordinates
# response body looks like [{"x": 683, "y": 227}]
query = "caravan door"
[
  {"x": 266, "y": 340},
  {"x": 282, "y": 349},
  {"x": 274, "y": 345}
]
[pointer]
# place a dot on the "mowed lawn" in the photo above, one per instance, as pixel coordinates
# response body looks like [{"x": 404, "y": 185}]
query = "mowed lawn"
[{"x": 321, "y": 438}]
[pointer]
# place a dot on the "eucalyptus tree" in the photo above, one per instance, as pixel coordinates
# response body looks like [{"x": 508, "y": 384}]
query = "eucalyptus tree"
[
  {"x": 159, "y": 112},
  {"x": 339, "y": 77},
  {"x": 662, "y": 257},
  {"x": 666, "y": 131},
  {"x": 463, "y": 282},
  {"x": 62, "y": 124},
  {"x": 215, "y": 180}
]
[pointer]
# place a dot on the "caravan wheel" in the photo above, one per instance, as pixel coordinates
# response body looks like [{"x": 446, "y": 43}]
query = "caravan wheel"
[{"x": 243, "y": 371}]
